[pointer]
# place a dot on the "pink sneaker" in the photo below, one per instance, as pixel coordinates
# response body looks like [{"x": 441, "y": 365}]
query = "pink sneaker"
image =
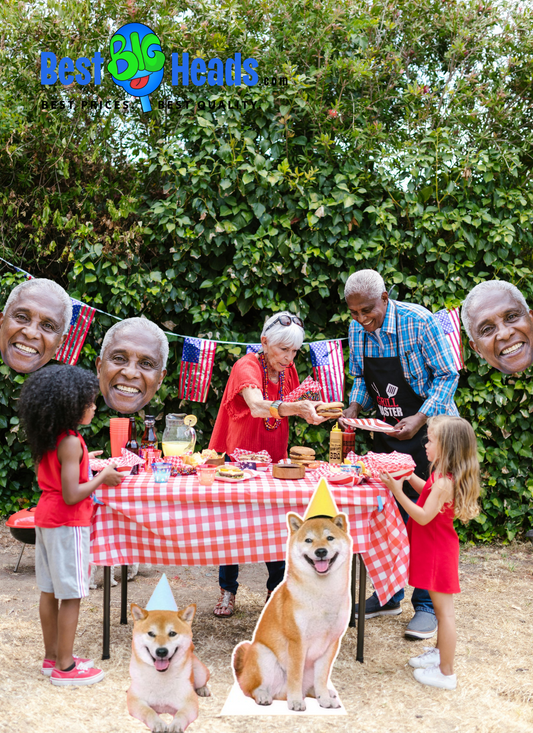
[
  {"x": 80, "y": 675},
  {"x": 49, "y": 664}
]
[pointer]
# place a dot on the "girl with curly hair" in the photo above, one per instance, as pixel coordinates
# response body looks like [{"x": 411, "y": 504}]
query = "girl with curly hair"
[
  {"x": 451, "y": 492},
  {"x": 53, "y": 402}
]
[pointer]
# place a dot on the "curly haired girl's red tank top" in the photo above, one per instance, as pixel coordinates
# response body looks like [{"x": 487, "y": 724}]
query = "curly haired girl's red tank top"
[{"x": 52, "y": 510}]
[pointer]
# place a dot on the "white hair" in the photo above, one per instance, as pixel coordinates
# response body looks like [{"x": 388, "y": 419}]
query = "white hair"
[
  {"x": 290, "y": 336},
  {"x": 138, "y": 324},
  {"x": 486, "y": 291},
  {"x": 47, "y": 286},
  {"x": 368, "y": 283}
]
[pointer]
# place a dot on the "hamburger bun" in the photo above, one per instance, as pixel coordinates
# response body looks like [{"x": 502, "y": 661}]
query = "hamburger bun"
[
  {"x": 331, "y": 409},
  {"x": 301, "y": 452}
]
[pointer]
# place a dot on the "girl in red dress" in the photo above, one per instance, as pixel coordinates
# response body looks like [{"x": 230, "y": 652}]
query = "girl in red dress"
[{"x": 451, "y": 491}]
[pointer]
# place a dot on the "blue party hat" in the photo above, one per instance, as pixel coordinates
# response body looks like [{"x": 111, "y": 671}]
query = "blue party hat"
[{"x": 162, "y": 598}]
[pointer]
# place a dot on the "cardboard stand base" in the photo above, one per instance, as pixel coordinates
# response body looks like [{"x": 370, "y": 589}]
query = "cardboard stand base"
[{"x": 238, "y": 704}]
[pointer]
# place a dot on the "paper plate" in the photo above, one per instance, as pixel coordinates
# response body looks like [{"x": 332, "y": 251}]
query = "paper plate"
[{"x": 248, "y": 473}]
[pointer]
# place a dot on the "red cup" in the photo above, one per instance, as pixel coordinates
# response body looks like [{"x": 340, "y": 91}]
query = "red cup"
[{"x": 119, "y": 431}]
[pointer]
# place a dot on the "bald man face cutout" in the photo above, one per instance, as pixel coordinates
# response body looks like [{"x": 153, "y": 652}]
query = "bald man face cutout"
[
  {"x": 502, "y": 332},
  {"x": 131, "y": 370},
  {"x": 31, "y": 330}
]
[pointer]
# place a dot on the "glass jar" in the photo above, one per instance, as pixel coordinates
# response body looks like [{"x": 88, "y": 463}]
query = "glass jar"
[{"x": 178, "y": 437}]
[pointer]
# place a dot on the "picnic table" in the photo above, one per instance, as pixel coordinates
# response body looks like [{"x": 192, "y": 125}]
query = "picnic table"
[{"x": 183, "y": 523}]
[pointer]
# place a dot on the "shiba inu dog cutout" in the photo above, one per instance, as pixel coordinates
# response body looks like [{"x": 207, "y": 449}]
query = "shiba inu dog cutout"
[
  {"x": 298, "y": 634},
  {"x": 166, "y": 675}
]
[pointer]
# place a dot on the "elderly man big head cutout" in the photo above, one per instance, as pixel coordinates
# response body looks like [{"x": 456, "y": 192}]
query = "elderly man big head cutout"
[
  {"x": 34, "y": 323},
  {"x": 131, "y": 365},
  {"x": 499, "y": 325}
]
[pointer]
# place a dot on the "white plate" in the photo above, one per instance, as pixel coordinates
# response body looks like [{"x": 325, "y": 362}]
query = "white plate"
[{"x": 248, "y": 473}]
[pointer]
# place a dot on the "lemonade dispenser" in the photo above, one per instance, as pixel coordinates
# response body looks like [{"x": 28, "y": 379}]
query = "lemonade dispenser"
[{"x": 179, "y": 436}]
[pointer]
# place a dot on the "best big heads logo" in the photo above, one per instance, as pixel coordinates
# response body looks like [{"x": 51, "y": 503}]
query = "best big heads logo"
[
  {"x": 387, "y": 405},
  {"x": 137, "y": 65}
]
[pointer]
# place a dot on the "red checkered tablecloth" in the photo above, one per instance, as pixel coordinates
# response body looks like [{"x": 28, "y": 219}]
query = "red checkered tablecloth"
[{"x": 183, "y": 523}]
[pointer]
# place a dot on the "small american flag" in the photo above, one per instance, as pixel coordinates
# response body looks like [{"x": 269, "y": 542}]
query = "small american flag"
[
  {"x": 196, "y": 368},
  {"x": 450, "y": 322},
  {"x": 82, "y": 316},
  {"x": 253, "y": 348},
  {"x": 328, "y": 368}
]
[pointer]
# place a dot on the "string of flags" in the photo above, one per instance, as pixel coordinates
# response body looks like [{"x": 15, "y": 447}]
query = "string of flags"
[{"x": 198, "y": 355}]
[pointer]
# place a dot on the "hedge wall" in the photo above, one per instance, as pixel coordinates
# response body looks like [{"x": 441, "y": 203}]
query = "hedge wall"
[{"x": 397, "y": 143}]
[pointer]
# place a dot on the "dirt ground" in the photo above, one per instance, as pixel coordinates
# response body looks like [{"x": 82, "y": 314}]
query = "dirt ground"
[{"x": 494, "y": 661}]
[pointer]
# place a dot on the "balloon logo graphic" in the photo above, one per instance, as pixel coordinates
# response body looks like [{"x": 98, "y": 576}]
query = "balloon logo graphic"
[{"x": 136, "y": 61}]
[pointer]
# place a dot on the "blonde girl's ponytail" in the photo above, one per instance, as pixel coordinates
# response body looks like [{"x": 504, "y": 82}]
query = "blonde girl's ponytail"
[{"x": 457, "y": 456}]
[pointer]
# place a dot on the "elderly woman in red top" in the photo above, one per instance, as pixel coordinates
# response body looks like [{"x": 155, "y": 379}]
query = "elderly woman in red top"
[{"x": 253, "y": 416}]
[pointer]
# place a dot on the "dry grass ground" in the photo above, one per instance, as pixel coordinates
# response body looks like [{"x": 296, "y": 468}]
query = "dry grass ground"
[{"x": 494, "y": 660}]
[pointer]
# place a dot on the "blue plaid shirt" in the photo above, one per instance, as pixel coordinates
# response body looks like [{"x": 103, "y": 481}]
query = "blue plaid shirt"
[{"x": 425, "y": 354}]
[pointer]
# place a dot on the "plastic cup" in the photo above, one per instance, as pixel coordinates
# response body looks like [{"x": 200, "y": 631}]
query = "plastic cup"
[
  {"x": 150, "y": 456},
  {"x": 119, "y": 432},
  {"x": 206, "y": 474},
  {"x": 161, "y": 472}
]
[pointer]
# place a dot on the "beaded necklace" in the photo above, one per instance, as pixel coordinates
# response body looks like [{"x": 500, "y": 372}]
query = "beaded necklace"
[{"x": 262, "y": 360}]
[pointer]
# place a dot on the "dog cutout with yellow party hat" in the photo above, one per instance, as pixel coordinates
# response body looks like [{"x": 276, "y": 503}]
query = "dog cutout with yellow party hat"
[{"x": 297, "y": 637}]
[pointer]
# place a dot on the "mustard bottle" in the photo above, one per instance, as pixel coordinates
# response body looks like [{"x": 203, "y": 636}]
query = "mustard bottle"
[{"x": 335, "y": 445}]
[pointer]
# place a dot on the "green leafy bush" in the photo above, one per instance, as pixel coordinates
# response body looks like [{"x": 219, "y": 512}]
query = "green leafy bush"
[{"x": 402, "y": 141}]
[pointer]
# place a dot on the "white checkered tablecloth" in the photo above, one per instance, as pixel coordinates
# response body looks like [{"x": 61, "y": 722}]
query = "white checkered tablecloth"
[{"x": 183, "y": 523}]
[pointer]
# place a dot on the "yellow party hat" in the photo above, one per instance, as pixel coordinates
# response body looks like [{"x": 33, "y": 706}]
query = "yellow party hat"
[{"x": 322, "y": 503}]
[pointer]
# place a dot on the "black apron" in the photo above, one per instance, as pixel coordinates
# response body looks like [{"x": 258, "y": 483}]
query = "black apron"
[{"x": 396, "y": 399}]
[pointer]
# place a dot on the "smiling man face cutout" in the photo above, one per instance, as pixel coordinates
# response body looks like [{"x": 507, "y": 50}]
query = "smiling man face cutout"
[
  {"x": 499, "y": 325},
  {"x": 131, "y": 365},
  {"x": 34, "y": 324}
]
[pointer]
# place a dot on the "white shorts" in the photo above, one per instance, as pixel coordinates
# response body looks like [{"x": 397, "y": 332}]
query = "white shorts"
[{"x": 62, "y": 561}]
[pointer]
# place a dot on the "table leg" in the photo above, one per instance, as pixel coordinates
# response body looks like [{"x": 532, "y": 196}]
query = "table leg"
[
  {"x": 353, "y": 588},
  {"x": 107, "y": 611},
  {"x": 361, "y": 616},
  {"x": 124, "y": 595}
]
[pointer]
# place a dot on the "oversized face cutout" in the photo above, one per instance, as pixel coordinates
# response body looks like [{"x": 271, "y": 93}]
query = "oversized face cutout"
[
  {"x": 502, "y": 332},
  {"x": 368, "y": 312},
  {"x": 31, "y": 330},
  {"x": 131, "y": 370}
]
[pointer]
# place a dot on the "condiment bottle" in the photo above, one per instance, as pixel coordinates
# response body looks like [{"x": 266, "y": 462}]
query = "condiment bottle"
[
  {"x": 335, "y": 445},
  {"x": 348, "y": 441},
  {"x": 133, "y": 444},
  {"x": 149, "y": 439}
]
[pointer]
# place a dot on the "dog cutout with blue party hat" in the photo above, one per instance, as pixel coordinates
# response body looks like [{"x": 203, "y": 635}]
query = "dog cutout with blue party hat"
[
  {"x": 298, "y": 634},
  {"x": 162, "y": 599},
  {"x": 166, "y": 675}
]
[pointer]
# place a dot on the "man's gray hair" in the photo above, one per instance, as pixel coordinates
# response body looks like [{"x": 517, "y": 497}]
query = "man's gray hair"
[
  {"x": 43, "y": 285},
  {"x": 138, "y": 324},
  {"x": 368, "y": 283},
  {"x": 290, "y": 336},
  {"x": 487, "y": 291}
]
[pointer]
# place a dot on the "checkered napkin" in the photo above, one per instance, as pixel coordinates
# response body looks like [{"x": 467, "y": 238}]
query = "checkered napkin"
[
  {"x": 308, "y": 390},
  {"x": 126, "y": 459},
  {"x": 391, "y": 462},
  {"x": 238, "y": 454}
]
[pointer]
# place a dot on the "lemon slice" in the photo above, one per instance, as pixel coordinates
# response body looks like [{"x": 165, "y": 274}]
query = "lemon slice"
[{"x": 190, "y": 421}]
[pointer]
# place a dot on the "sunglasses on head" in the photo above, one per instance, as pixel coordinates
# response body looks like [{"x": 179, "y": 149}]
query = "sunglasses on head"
[{"x": 286, "y": 321}]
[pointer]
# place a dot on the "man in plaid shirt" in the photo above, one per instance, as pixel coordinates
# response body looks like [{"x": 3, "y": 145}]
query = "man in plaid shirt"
[{"x": 402, "y": 364}]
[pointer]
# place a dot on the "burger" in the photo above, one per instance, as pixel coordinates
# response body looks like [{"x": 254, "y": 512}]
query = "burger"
[
  {"x": 302, "y": 455},
  {"x": 330, "y": 409},
  {"x": 229, "y": 472}
]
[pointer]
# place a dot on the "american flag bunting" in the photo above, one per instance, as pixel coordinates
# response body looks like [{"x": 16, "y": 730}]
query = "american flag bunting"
[
  {"x": 82, "y": 316},
  {"x": 196, "y": 368},
  {"x": 328, "y": 368},
  {"x": 450, "y": 322}
]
